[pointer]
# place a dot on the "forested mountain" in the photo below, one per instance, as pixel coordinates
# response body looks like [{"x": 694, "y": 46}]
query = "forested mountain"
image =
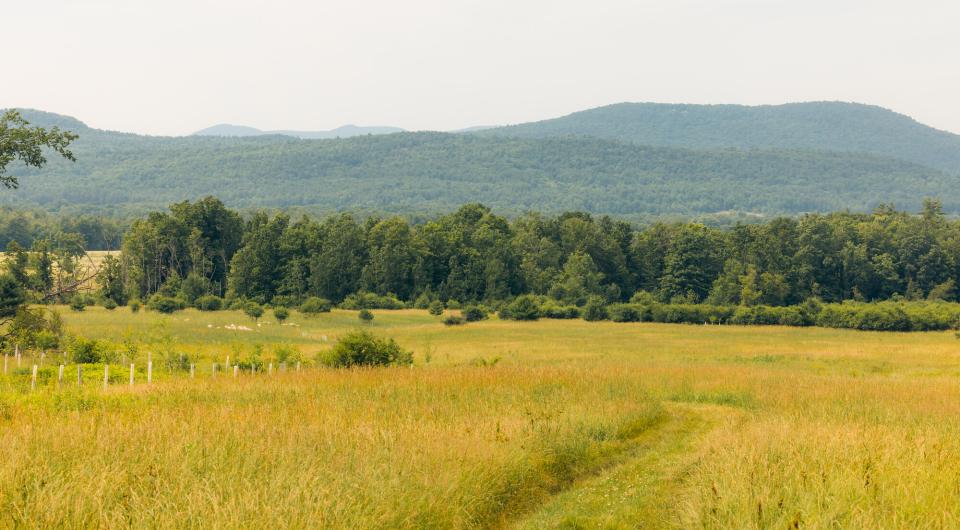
[
  {"x": 346, "y": 131},
  {"x": 436, "y": 172},
  {"x": 832, "y": 126}
]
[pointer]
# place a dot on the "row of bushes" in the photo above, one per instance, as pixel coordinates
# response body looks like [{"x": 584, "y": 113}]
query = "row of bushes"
[{"x": 876, "y": 316}]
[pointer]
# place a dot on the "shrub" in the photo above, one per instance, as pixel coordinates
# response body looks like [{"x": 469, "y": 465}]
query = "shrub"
[
  {"x": 209, "y": 303},
  {"x": 435, "y": 308},
  {"x": 280, "y": 313},
  {"x": 314, "y": 305},
  {"x": 286, "y": 353},
  {"x": 253, "y": 310},
  {"x": 135, "y": 306},
  {"x": 235, "y": 304},
  {"x": 474, "y": 313},
  {"x": 361, "y": 348},
  {"x": 755, "y": 315},
  {"x": 164, "y": 304},
  {"x": 552, "y": 310},
  {"x": 595, "y": 309},
  {"x": 453, "y": 304},
  {"x": 283, "y": 301},
  {"x": 364, "y": 300},
  {"x": 422, "y": 301},
  {"x": 643, "y": 298},
  {"x": 523, "y": 307},
  {"x": 454, "y": 320},
  {"x": 85, "y": 351},
  {"x": 109, "y": 304},
  {"x": 625, "y": 312},
  {"x": 76, "y": 303},
  {"x": 365, "y": 315}
]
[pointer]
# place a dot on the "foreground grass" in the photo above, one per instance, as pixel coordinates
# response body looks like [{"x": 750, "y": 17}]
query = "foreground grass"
[
  {"x": 575, "y": 425},
  {"x": 439, "y": 448}
]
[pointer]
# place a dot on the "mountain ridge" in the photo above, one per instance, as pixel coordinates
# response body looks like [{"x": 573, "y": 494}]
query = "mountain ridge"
[
  {"x": 821, "y": 125},
  {"x": 344, "y": 131},
  {"x": 411, "y": 172}
]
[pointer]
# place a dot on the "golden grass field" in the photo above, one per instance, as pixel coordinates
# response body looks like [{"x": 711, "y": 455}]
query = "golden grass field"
[{"x": 549, "y": 424}]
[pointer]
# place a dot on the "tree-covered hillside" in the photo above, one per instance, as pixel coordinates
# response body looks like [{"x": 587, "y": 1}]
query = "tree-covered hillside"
[
  {"x": 434, "y": 172},
  {"x": 832, "y": 126}
]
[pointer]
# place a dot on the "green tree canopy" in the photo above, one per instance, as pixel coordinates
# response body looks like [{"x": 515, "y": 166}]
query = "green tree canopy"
[{"x": 19, "y": 141}]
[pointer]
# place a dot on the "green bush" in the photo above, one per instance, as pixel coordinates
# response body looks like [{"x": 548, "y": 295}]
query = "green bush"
[
  {"x": 77, "y": 304},
  {"x": 523, "y": 307},
  {"x": 134, "y": 306},
  {"x": 435, "y": 308},
  {"x": 595, "y": 309},
  {"x": 280, "y": 313},
  {"x": 551, "y": 309},
  {"x": 365, "y": 300},
  {"x": 361, "y": 348},
  {"x": 474, "y": 313},
  {"x": 365, "y": 315},
  {"x": 286, "y": 354},
  {"x": 453, "y": 304},
  {"x": 284, "y": 301},
  {"x": 454, "y": 320},
  {"x": 109, "y": 304},
  {"x": 86, "y": 351},
  {"x": 625, "y": 312},
  {"x": 253, "y": 310},
  {"x": 422, "y": 301},
  {"x": 209, "y": 303},
  {"x": 314, "y": 305},
  {"x": 164, "y": 304}
]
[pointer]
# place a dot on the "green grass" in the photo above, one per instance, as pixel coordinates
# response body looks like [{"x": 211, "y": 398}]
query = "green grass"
[{"x": 575, "y": 425}]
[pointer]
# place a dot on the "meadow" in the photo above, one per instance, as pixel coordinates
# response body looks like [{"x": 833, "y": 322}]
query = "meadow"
[{"x": 502, "y": 424}]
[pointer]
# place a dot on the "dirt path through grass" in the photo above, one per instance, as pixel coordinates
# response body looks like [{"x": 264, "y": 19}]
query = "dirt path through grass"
[{"x": 643, "y": 490}]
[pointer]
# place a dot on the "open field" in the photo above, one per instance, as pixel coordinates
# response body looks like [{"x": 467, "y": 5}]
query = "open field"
[{"x": 564, "y": 424}]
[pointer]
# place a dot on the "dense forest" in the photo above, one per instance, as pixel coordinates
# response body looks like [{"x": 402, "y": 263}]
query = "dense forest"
[
  {"x": 414, "y": 173},
  {"x": 475, "y": 255},
  {"x": 830, "y": 126},
  {"x": 28, "y": 226},
  {"x": 203, "y": 254}
]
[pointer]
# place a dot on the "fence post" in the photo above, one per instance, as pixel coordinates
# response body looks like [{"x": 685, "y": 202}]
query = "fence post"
[
  {"x": 149, "y": 372},
  {"x": 270, "y": 369},
  {"x": 236, "y": 370},
  {"x": 79, "y": 375},
  {"x": 227, "y": 364},
  {"x": 298, "y": 366},
  {"x": 4, "y": 364},
  {"x": 131, "y": 374},
  {"x": 192, "y": 367},
  {"x": 106, "y": 375},
  {"x": 60, "y": 376},
  {"x": 33, "y": 380}
]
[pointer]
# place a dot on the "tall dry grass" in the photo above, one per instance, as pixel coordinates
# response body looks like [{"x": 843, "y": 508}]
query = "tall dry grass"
[{"x": 385, "y": 448}]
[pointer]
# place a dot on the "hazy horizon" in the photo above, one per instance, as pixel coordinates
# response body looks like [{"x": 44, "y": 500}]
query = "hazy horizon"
[{"x": 181, "y": 66}]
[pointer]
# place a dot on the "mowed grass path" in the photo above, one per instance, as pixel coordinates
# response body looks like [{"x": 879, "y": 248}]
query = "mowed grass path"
[{"x": 576, "y": 425}]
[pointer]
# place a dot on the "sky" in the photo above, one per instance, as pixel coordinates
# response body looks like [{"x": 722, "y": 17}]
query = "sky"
[{"x": 171, "y": 67}]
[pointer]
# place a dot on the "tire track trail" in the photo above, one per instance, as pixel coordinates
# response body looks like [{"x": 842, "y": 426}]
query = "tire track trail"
[{"x": 642, "y": 491}]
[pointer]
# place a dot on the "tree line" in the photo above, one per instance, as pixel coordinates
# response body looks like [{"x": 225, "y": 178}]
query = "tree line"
[{"x": 204, "y": 248}]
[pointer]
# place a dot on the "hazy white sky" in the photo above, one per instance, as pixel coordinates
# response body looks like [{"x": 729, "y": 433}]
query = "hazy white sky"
[{"x": 175, "y": 66}]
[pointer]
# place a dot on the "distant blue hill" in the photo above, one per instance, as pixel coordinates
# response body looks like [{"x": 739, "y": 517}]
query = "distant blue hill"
[{"x": 346, "y": 131}]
